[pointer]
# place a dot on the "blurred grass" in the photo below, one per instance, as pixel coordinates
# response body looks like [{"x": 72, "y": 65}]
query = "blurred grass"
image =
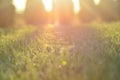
[{"x": 48, "y": 58}]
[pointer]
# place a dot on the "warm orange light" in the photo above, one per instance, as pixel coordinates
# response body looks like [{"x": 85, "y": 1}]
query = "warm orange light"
[
  {"x": 48, "y": 5},
  {"x": 76, "y": 4},
  {"x": 20, "y": 5}
]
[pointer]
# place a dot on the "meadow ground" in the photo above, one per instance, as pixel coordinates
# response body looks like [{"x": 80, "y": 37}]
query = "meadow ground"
[{"x": 85, "y": 52}]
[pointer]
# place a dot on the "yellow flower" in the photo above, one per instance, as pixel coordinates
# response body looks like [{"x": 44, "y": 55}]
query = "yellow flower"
[{"x": 64, "y": 63}]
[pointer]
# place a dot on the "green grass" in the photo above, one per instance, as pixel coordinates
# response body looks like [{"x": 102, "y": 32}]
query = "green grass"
[{"x": 45, "y": 57}]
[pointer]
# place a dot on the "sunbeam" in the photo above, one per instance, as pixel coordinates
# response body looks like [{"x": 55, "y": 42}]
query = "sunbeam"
[
  {"x": 20, "y": 5},
  {"x": 48, "y": 5},
  {"x": 76, "y": 4}
]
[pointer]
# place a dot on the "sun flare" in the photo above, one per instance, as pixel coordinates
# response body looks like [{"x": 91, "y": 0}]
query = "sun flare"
[
  {"x": 97, "y": 2},
  {"x": 20, "y": 5},
  {"x": 76, "y": 5},
  {"x": 48, "y": 5}
]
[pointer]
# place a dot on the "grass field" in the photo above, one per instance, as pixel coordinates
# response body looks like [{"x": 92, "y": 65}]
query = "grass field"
[{"x": 61, "y": 53}]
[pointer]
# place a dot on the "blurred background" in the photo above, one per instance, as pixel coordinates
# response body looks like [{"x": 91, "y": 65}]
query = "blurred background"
[
  {"x": 59, "y": 39},
  {"x": 39, "y": 12}
]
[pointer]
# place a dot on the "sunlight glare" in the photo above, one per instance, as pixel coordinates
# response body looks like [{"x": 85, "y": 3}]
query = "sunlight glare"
[
  {"x": 20, "y": 5},
  {"x": 48, "y": 5},
  {"x": 76, "y": 4},
  {"x": 97, "y": 2}
]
